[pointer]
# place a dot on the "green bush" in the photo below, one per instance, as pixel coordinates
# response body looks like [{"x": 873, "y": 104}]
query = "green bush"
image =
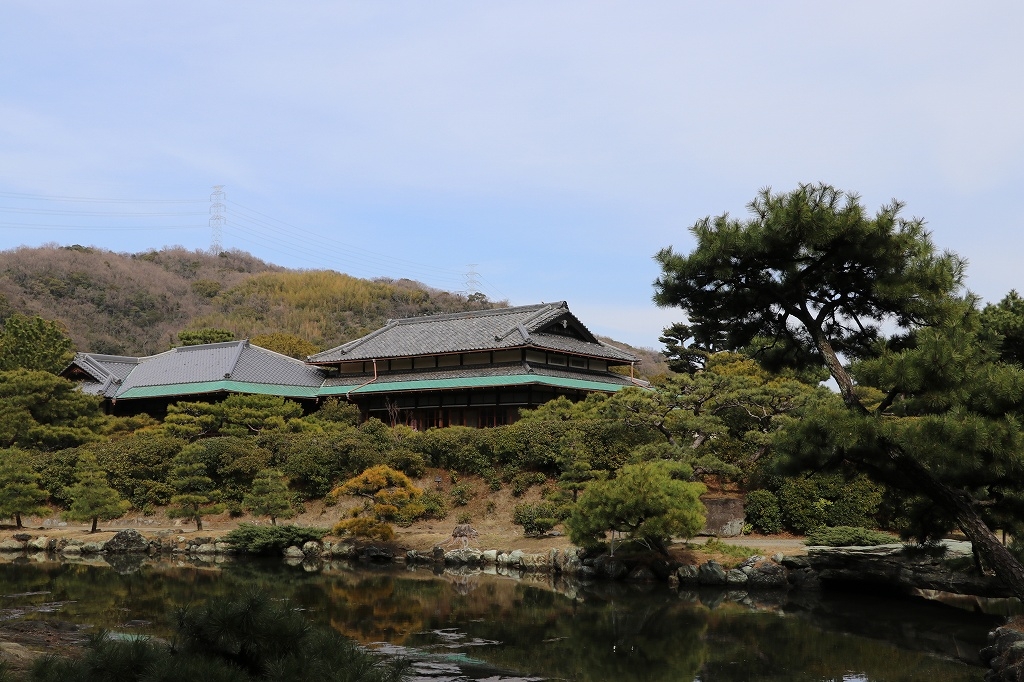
[
  {"x": 762, "y": 511},
  {"x": 535, "y": 518},
  {"x": 435, "y": 505},
  {"x": 249, "y": 538},
  {"x": 848, "y": 536},
  {"x": 522, "y": 482},
  {"x": 834, "y": 500},
  {"x": 461, "y": 494}
]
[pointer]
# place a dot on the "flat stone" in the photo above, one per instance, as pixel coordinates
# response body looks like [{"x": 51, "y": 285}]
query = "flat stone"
[
  {"x": 687, "y": 575},
  {"x": 11, "y": 545},
  {"x": 205, "y": 548},
  {"x": 71, "y": 550},
  {"x": 92, "y": 547}
]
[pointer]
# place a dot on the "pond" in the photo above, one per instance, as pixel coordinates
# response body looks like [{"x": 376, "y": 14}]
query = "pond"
[{"x": 466, "y": 625}]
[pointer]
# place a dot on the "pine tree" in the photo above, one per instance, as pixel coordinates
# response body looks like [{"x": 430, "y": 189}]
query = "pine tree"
[
  {"x": 19, "y": 487},
  {"x": 197, "y": 495},
  {"x": 811, "y": 279},
  {"x": 269, "y": 496},
  {"x": 92, "y": 498}
]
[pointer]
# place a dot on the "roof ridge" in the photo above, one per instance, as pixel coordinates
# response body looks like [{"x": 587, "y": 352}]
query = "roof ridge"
[
  {"x": 488, "y": 312},
  {"x": 354, "y": 343},
  {"x": 204, "y": 346}
]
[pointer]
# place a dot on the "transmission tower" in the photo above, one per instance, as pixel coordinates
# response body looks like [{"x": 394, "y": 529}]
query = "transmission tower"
[
  {"x": 472, "y": 280},
  {"x": 217, "y": 219}
]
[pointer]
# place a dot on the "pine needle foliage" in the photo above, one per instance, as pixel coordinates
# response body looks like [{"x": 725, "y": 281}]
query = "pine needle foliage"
[
  {"x": 20, "y": 494},
  {"x": 91, "y": 496},
  {"x": 269, "y": 496}
]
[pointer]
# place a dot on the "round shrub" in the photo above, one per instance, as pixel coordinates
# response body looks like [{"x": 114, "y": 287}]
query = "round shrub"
[{"x": 762, "y": 511}]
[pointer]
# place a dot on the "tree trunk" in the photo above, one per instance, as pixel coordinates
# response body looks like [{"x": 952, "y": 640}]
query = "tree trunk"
[
  {"x": 983, "y": 540},
  {"x": 95, "y": 519},
  {"x": 199, "y": 523},
  {"x": 273, "y": 521},
  {"x": 918, "y": 477},
  {"x": 17, "y": 520}
]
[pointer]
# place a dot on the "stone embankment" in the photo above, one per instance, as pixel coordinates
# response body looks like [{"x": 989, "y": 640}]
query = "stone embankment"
[{"x": 1005, "y": 655}]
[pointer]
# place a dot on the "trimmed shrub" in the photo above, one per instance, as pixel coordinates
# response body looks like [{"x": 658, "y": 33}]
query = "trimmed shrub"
[
  {"x": 435, "y": 505},
  {"x": 535, "y": 518},
  {"x": 848, "y": 536},
  {"x": 524, "y": 481},
  {"x": 763, "y": 512},
  {"x": 252, "y": 539}
]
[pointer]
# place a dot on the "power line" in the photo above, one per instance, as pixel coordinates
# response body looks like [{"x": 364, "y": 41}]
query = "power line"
[
  {"x": 43, "y": 211},
  {"x": 48, "y": 226},
  {"x": 48, "y": 197}
]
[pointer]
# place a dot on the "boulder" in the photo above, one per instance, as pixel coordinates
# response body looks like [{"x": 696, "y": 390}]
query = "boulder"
[
  {"x": 946, "y": 567},
  {"x": 126, "y": 542},
  {"x": 461, "y": 557},
  {"x": 205, "y": 548},
  {"x": 312, "y": 549},
  {"x": 641, "y": 574},
  {"x": 687, "y": 575},
  {"x": 711, "y": 573},
  {"x": 11, "y": 545},
  {"x": 489, "y": 556},
  {"x": 41, "y": 543},
  {"x": 293, "y": 552},
  {"x": 93, "y": 547},
  {"x": 735, "y": 577},
  {"x": 610, "y": 567},
  {"x": 375, "y": 554}
]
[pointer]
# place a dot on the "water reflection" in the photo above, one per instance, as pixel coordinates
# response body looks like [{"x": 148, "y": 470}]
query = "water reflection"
[{"x": 466, "y": 625}]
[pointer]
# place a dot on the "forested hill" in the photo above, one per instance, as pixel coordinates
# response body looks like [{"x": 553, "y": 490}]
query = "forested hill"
[{"x": 135, "y": 304}]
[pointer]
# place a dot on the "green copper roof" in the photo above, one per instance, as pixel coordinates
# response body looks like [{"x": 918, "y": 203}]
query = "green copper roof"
[
  {"x": 225, "y": 385},
  {"x": 472, "y": 382}
]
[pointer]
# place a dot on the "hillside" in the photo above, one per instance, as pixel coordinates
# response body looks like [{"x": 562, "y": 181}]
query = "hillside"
[{"x": 135, "y": 304}]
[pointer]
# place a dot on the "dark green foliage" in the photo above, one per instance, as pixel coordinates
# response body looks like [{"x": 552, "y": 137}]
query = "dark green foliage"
[
  {"x": 762, "y": 511},
  {"x": 457, "y": 448},
  {"x": 848, "y": 536},
  {"x": 239, "y": 414},
  {"x": 269, "y": 496},
  {"x": 196, "y": 494},
  {"x": 644, "y": 502},
  {"x": 197, "y": 337},
  {"x": 435, "y": 505},
  {"x": 1005, "y": 322},
  {"x": 137, "y": 466},
  {"x": 828, "y": 500},
  {"x": 92, "y": 498},
  {"x": 524, "y": 481},
  {"x": 20, "y": 494},
  {"x": 250, "y": 637},
  {"x": 33, "y": 343},
  {"x": 42, "y": 411},
  {"x": 249, "y": 538},
  {"x": 461, "y": 494},
  {"x": 535, "y": 518}
]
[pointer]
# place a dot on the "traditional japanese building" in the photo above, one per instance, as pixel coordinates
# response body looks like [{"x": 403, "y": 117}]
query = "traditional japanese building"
[
  {"x": 207, "y": 372},
  {"x": 475, "y": 368}
]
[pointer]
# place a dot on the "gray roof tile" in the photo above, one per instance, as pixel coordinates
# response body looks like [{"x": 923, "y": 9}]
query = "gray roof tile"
[
  {"x": 474, "y": 331},
  {"x": 509, "y": 369}
]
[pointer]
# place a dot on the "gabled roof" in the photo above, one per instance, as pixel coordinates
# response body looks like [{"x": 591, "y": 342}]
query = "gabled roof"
[
  {"x": 547, "y": 326},
  {"x": 231, "y": 366}
]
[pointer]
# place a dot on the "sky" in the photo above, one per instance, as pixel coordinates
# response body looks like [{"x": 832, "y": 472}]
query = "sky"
[{"x": 533, "y": 151}]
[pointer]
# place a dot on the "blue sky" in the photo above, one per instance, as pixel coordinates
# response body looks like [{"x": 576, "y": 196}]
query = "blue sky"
[{"x": 555, "y": 145}]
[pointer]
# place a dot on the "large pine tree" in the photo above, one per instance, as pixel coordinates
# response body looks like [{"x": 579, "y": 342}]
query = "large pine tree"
[{"x": 812, "y": 278}]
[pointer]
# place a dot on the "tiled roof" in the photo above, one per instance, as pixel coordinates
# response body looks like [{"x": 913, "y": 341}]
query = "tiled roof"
[
  {"x": 236, "y": 362},
  {"x": 475, "y": 331}
]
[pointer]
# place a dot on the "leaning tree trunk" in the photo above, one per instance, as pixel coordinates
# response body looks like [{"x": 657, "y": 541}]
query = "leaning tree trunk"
[
  {"x": 95, "y": 519},
  {"x": 984, "y": 541},
  {"x": 17, "y": 520},
  {"x": 920, "y": 478}
]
